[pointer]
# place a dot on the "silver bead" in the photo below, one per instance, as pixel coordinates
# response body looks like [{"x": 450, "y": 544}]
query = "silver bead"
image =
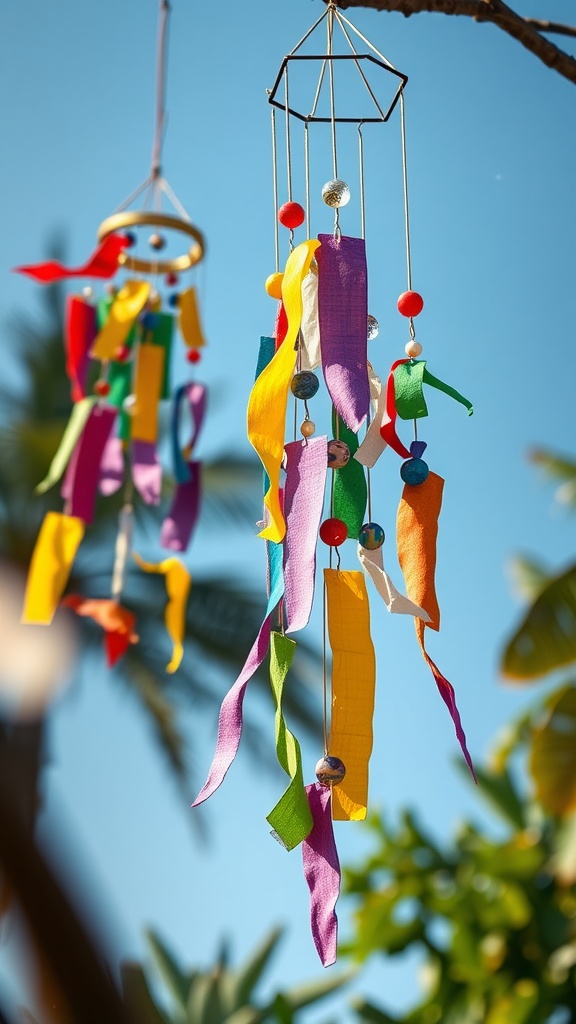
[
  {"x": 335, "y": 193},
  {"x": 372, "y": 327},
  {"x": 330, "y": 770},
  {"x": 129, "y": 404},
  {"x": 338, "y": 454}
]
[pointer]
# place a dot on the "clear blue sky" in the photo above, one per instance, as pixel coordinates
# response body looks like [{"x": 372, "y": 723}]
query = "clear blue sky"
[{"x": 492, "y": 162}]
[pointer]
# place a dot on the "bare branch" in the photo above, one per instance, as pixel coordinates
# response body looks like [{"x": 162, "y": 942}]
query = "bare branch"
[
  {"x": 525, "y": 31},
  {"x": 551, "y": 26}
]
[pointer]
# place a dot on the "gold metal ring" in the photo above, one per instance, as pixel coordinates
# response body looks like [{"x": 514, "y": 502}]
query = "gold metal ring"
[{"x": 141, "y": 218}]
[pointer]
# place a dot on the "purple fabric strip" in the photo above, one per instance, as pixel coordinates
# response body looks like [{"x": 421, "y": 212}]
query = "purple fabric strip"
[
  {"x": 196, "y": 395},
  {"x": 230, "y": 718},
  {"x": 146, "y": 471},
  {"x": 112, "y": 467},
  {"x": 179, "y": 523},
  {"x": 306, "y": 467},
  {"x": 343, "y": 315},
  {"x": 81, "y": 481},
  {"x": 322, "y": 873}
]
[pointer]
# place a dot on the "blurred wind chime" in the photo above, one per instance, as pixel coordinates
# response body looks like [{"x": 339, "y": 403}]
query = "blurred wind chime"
[
  {"x": 118, "y": 356},
  {"x": 323, "y": 320}
]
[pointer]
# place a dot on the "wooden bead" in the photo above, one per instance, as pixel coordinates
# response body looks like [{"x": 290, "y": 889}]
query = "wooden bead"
[
  {"x": 413, "y": 349},
  {"x": 307, "y": 428}
]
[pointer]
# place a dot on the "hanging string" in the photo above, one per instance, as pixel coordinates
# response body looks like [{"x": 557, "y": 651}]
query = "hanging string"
[
  {"x": 307, "y": 176},
  {"x": 406, "y": 205},
  {"x": 358, "y": 66},
  {"x": 333, "y": 114},
  {"x": 275, "y": 191},
  {"x": 161, "y": 61},
  {"x": 361, "y": 177},
  {"x": 288, "y": 148}
]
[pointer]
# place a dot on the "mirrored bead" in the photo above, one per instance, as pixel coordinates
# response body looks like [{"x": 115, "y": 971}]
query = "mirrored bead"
[
  {"x": 304, "y": 384},
  {"x": 338, "y": 454},
  {"x": 335, "y": 193},
  {"x": 373, "y": 327},
  {"x": 371, "y": 536},
  {"x": 414, "y": 471},
  {"x": 330, "y": 770}
]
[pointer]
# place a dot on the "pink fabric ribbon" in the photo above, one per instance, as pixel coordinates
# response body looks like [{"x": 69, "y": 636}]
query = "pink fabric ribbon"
[
  {"x": 111, "y": 467},
  {"x": 306, "y": 467},
  {"x": 146, "y": 471},
  {"x": 183, "y": 515},
  {"x": 83, "y": 473},
  {"x": 322, "y": 873}
]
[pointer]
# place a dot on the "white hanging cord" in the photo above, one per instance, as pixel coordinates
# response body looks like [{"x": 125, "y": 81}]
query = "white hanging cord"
[{"x": 275, "y": 191}]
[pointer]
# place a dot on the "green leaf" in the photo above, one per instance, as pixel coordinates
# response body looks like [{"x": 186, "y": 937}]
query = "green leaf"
[
  {"x": 528, "y": 577},
  {"x": 368, "y": 1012},
  {"x": 553, "y": 755},
  {"x": 516, "y": 1006},
  {"x": 137, "y": 996},
  {"x": 176, "y": 981},
  {"x": 313, "y": 991},
  {"x": 546, "y": 639},
  {"x": 204, "y": 1005},
  {"x": 249, "y": 975}
]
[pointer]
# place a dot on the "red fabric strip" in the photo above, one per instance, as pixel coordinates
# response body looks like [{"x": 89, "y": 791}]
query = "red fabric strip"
[
  {"x": 102, "y": 263},
  {"x": 388, "y": 427},
  {"x": 79, "y": 332}
]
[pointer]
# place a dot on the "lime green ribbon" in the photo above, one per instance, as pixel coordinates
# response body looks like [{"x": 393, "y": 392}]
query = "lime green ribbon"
[{"x": 74, "y": 427}]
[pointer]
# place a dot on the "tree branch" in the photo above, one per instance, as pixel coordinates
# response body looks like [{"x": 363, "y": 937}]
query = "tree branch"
[{"x": 525, "y": 31}]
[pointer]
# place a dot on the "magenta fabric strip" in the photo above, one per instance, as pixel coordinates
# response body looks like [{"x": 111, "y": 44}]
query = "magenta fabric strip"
[
  {"x": 81, "y": 481},
  {"x": 343, "y": 315},
  {"x": 322, "y": 873},
  {"x": 230, "y": 718},
  {"x": 179, "y": 523},
  {"x": 112, "y": 467},
  {"x": 306, "y": 467},
  {"x": 146, "y": 471}
]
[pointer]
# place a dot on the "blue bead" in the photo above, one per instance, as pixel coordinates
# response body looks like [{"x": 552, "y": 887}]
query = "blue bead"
[
  {"x": 371, "y": 536},
  {"x": 417, "y": 449},
  {"x": 414, "y": 471},
  {"x": 149, "y": 321},
  {"x": 173, "y": 300},
  {"x": 130, "y": 238},
  {"x": 304, "y": 384},
  {"x": 330, "y": 769}
]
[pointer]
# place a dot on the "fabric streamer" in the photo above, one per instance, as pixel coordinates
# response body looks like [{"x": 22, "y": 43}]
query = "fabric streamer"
[
  {"x": 56, "y": 545},
  {"x": 310, "y": 356},
  {"x": 303, "y": 501},
  {"x": 78, "y": 419},
  {"x": 350, "y": 493},
  {"x": 189, "y": 319},
  {"x": 195, "y": 395},
  {"x": 373, "y": 444},
  {"x": 280, "y": 325},
  {"x": 416, "y": 534},
  {"x": 147, "y": 389},
  {"x": 161, "y": 334},
  {"x": 126, "y": 306},
  {"x": 178, "y": 584},
  {"x": 102, "y": 263},
  {"x": 117, "y": 622},
  {"x": 112, "y": 468},
  {"x": 269, "y": 395},
  {"x": 388, "y": 425},
  {"x": 373, "y": 565},
  {"x": 83, "y": 474},
  {"x": 409, "y": 379},
  {"x": 353, "y": 683},
  {"x": 342, "y": 315},
  {"x": 266, "y": 350},
  {"x": 434, "y": 382},
  {"x": 322, "y": 873},
  {"x": 179, "y": 524},
  {"x": 147, "y": 471},
  {"x": 290, "y": 819},
  {"x": 79, "y": 333}
]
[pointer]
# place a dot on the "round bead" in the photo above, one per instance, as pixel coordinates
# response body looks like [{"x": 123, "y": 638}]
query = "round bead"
[
  {"x": 156, "y": 241},
  {"x": 171, "y": 279},
  {"x": 371, "y": 536},
  {"x": 154, "y": 301},
  {"x": 304, "y": 384},
  {"x": 414, "y": 471},
  {"x": 338, "y": 454},
  {"x": 291, "y": 215},
  {"x": 193, "y": 355},
  {"x": 335, "y": 193},
  {"x": 273, "y": 285},
  {"x": 149, "y": 321},
  {"x": 330, "y": 770},
  {"x": 333, "y": 532},
  {"x": 122, "y": 353},
  {"x": 87, "y": 292},
  {"x": 102, "y": 388},
  {"x": 410, "y": 303},
  {"x": 130, "y": 238},
  {"x": 129, "y": 404},
  {"x": 307, "y": 428},
  {"x": 413, "y": 349},
  {"x": 372, "y": 328},
  {"x": 173, "y": 300}
]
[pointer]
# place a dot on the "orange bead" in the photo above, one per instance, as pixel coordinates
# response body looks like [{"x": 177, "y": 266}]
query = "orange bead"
[
  {"x": 102, "y": 388},
  {"x": 273, "y": 285}
]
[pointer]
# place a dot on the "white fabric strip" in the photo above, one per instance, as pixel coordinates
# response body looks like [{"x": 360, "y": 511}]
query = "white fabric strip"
[
  {"x": 372, "y": 563},
  {"x": 309, "y": 328},
  {"x": 373, "y": 444}
]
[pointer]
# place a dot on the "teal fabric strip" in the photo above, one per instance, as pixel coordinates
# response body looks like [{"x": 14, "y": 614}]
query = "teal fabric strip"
[
  {"x": 350, "y": 492},
  {"x": 435, "y": 383},
  {"x": 291, "y": 818},
  {"x": 408, "y": 393}
]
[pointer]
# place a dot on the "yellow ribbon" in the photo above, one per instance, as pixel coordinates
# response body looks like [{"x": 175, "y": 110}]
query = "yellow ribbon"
[
  {"x": 127, "y": 304},
  {"x": 353, "y": 684},
  {"x": 178, "y": 585},
  {"x": 269, "y": 396},
  {"x": 189, "y": 319},
  {"x": 54, "y": 553},
  {"x": 149, "y": 376}
]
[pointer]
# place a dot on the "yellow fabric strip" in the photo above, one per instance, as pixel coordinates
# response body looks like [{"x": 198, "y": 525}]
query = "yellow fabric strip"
[
  {"x": 353, "y": 684},
  {"x": 128, "y": 303},
  {"x": 269, "y": 396},
  {"x": 178, "y": 583},
  {"x": 149, "y": 375},
  {"x": 189, "y": 319},
  {"x": 56, "y": 546}
]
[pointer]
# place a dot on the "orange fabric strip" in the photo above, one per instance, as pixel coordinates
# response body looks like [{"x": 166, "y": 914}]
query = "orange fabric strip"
[
  {"x": 416, "y": 533},
  {"x": 147, "y": 389}
]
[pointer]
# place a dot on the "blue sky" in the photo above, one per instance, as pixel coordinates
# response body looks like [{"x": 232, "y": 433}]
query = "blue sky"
[{"x": 491, "y": 170}]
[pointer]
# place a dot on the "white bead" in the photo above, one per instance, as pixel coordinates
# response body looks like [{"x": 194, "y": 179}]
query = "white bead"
[
  {"x": 87, "y": 292},
  {"x": 413, "y": 349},
  {"x": 129, "y": 404}
]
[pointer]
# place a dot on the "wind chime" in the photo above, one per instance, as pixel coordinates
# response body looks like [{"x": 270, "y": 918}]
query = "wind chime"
[
  {"x": 118, "y": 359},
  {"x": 323, "y": 321}
]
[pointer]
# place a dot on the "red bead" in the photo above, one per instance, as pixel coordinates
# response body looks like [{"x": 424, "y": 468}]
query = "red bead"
[
  {"x": 410, "y": 304},
  {"x": 333, "y": 532},
  {"x": 102, "y": 388},
  {"x": 193, "y": 355},
  {"x": 171, "y": 279},
  {"x": 291, "y": 215},
  {"x": 123, "y": 353}
]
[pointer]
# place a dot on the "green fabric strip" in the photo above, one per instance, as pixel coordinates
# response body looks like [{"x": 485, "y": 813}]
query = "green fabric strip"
[
  {"x": 162, "y": 335},
  {"x": 350, "y": 493},
  {"x": 435, "y": 383},
  {"x": 290, "y": 819},
  {"x": 408, "y": 394},
  {"x": 120, "y": 381},
  {"x": 71, "y": 435}
]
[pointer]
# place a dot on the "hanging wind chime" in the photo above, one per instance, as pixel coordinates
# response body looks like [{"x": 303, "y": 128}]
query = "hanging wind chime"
[
  {"x": 323, "y": 321},
  {"x": 118, "y": 359}
]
